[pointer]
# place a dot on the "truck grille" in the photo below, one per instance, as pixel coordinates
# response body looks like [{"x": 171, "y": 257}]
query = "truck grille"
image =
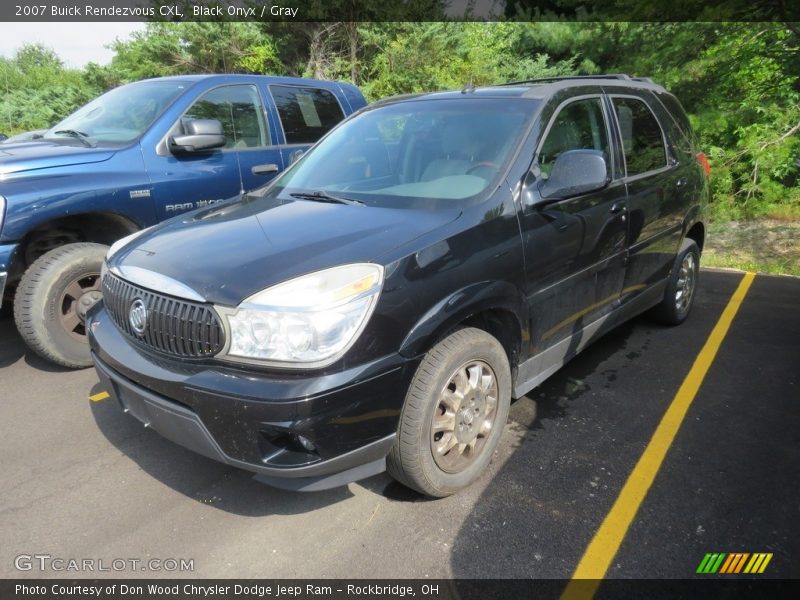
[{"x": 173, "y": 326}]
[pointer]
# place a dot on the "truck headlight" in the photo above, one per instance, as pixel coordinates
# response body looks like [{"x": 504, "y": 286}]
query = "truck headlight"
[{"x": 309, "y": 321}]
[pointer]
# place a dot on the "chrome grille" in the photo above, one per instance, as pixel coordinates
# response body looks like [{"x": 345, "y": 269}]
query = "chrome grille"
[{"x": 174, "y": 326}]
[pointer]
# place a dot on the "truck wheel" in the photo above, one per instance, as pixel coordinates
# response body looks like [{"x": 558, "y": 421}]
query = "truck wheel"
[
  {"x": 453, "y": 415},
  {"x": 52, "y": 299},
  {"x": 681, "y": 287}
]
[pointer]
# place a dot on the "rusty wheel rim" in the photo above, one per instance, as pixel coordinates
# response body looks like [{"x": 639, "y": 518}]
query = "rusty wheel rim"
[{"x": 77, "y": 298}]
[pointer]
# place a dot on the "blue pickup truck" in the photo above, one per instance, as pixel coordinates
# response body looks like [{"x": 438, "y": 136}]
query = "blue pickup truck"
[{"x": 137, "y": 155}]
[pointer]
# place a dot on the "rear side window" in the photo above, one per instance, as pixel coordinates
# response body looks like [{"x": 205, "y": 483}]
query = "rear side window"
[
  {"x": 306, "y": 113},
  {"x": 239, "y": 109},
  {"x": 642, "y": 140},
  {"x": 679, "y": 130},
  {"x": 676, "y": 111}
]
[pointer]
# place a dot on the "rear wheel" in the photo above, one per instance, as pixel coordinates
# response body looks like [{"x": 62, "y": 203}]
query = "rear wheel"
[
  {"x": 681, "y": 287},
  {"x": 52, "y": 299},
  {"x": 453, "y": 415}
]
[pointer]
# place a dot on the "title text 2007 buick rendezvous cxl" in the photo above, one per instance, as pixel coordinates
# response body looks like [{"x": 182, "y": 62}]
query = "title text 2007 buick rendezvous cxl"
[{"x": 380, "y": 303}]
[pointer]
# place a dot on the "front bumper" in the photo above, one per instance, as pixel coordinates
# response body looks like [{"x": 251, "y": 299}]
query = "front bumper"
[
  {"x": 250, "y": 418},
  {"x": 7, "y": 252}
]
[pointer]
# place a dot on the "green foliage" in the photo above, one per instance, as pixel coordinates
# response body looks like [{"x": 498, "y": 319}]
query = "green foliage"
[
  {"x": 179, "y": 48},
  {"x": 416, "y": 57},
  {"x": 38, "y": 90}
]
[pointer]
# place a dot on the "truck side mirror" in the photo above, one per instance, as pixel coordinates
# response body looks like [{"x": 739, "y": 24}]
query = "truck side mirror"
[
  {"x": 201, "y": 135},
  {"x": 575, "y": 172}
]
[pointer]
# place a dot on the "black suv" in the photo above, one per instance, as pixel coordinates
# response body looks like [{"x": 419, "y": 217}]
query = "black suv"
[{"x": 380, "y": 303}]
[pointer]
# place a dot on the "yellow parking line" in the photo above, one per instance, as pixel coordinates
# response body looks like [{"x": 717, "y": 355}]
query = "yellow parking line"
[
  {"x": 99, "y": 396},
  {"x": 606, "y": 542}
]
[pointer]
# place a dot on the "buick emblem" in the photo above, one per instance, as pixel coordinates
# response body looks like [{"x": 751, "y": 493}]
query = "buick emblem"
[{"x": 137, "y": 317}]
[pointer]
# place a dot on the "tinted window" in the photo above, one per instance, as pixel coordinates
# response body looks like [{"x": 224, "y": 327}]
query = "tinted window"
[
  {"x": 577, "y": 126},
  {"x": 239, "y": 109},
  {"x": 306, "y": 113},
  {"x": 678, "y": 129},
  {"x": 642, "y": 140}
]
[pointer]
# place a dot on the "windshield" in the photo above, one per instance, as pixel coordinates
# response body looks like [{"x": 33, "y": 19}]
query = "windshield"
[
  {"x": 412, "y": 154},
  {"x": 119, "y": 116}
]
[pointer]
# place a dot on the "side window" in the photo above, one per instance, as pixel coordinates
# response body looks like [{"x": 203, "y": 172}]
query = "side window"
[
  {"x": 306, "y": 113},
  {"x": 579, "y": 125},
  {"x": 678, "y": 129},
  {"x": 642, "y": 140},
  {"x": 239, "y": 109}
]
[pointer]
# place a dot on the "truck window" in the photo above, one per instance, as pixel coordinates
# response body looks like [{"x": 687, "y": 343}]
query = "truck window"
[
  {"x": 642, "y": 139},
  {"x": 306, "y": 113},
  {"x": 239, "y": 109}
]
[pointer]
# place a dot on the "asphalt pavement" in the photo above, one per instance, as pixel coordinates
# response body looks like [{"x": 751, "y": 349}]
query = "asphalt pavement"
[{"x": 81, "y": 480}]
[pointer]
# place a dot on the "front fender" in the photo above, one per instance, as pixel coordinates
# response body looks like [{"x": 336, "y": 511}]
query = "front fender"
[
  {"x": 459, "y": 306},
  {"x": 119, "y": 186}
]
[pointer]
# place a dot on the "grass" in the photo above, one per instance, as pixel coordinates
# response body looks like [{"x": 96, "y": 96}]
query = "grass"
[{"x": 767, "y": 244}]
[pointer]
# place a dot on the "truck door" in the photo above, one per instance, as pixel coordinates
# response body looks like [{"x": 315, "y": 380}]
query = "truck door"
[{"x": 182, "y": 182}]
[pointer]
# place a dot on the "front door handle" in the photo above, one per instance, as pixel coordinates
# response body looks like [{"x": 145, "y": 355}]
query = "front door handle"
[
  {"x": 264, "y": 169},
  {"x": 617, "y": 207}
]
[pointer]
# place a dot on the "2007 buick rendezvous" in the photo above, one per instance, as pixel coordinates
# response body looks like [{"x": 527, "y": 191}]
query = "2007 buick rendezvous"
[{"x": 380, "y": 303}]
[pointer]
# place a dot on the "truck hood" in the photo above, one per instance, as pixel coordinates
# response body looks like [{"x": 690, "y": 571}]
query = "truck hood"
[
  {"x": 231, "y": 251},
  {"x": 44, "y": 154}
]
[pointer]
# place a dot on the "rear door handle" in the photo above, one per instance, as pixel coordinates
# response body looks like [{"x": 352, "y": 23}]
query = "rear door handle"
[
  {"x": 264, "y": 169},
  {"x": 681, "y": 182}
]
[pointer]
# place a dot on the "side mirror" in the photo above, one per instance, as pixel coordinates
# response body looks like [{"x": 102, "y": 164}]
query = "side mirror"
[
  {"x": 575, "y": 172},
  {"x": 201, "y": 135}
]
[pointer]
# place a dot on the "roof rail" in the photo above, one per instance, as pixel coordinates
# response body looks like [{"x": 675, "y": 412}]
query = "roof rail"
[{"x": 568, "y": 77}]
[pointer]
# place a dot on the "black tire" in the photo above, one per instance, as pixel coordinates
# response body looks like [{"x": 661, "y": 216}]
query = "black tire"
[
  {"x": 671, "y": 310},
  {"x": 42, "y": 311},
  {"x": 411, "y": 460}
]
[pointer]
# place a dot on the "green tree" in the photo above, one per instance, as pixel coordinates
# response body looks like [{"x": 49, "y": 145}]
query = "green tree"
[{"x": 39, "y": 90}]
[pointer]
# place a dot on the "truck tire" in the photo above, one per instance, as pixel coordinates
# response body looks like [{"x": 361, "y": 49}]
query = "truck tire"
[
  {"x": 681, "y": 287},
  {"x": 51, "y": 302},
  {"x": 453, "y": 415}
]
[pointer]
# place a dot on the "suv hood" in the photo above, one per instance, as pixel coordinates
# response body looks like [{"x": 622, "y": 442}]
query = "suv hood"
[
  {"x": 43, "y": 154},
  {"x": 231, "y": 251}
]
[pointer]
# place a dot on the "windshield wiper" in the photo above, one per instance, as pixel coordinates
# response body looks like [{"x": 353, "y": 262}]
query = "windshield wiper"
[
  {"x": 321, "y": 196},
  {"x": 78, "y": 135}
]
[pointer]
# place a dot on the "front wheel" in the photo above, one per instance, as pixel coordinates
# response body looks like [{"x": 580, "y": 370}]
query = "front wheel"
[
  {"x": 52, "y": 299},
  {"x": 454, "y": 414}
]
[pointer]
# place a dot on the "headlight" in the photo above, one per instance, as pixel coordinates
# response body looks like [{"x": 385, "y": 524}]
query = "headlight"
[
  {"x": 2, "y": 211},
  {"x": 309, "y": 321}
]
